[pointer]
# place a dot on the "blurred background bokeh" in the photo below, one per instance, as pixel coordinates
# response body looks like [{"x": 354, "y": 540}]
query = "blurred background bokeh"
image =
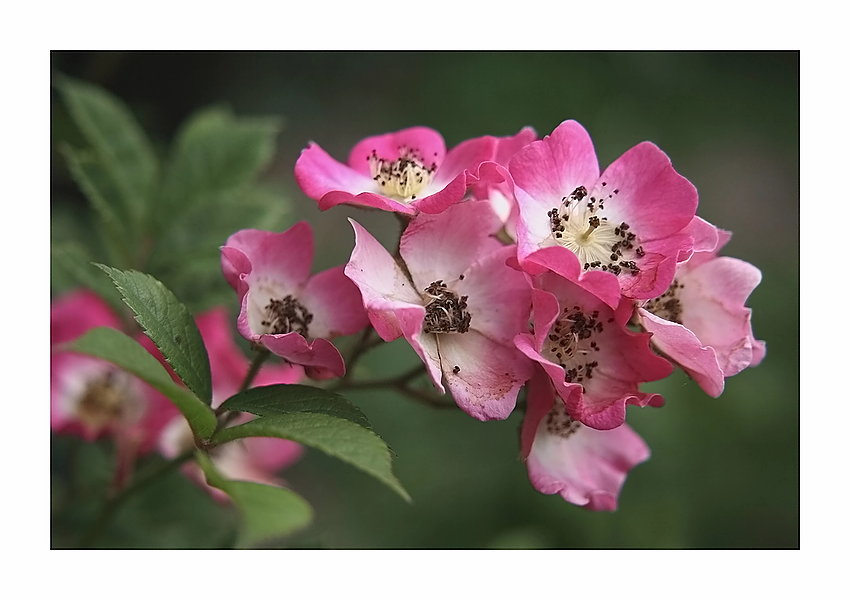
[{"x": 724, "y": 472}]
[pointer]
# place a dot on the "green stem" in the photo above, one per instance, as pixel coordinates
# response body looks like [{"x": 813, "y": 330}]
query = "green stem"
[{"x": 114, "y": 503}]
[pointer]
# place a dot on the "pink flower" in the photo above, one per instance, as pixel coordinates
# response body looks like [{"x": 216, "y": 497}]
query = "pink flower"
[
  {"x": 594, "y": 361},
  {"x": 90, "y": 397},
  {"x": 625, "y": 224},
  {"x": 701, "y": 322},
  {"x": 585, "y": 466},
  {"x": 253, "y": 459},
  {"x": 406, "y": 171},
  {"x": 454, "y": 300},
  {"x": 285, "y": 309}
]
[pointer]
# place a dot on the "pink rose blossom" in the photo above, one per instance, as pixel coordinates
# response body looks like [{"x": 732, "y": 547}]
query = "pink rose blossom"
[
  {"x": 585, "y": 466},
  {"x": 91, "y": 397},
  {"x": 594, "y": 361},
  {"x": 624, "y": 225},
  {"x": 406, "y": 171},
  {"x": 284, "y": 308},
  {"x": 455, "y": 301},
  {"x": 252, "y": 459},
  {"x": 701, "y": 322}
]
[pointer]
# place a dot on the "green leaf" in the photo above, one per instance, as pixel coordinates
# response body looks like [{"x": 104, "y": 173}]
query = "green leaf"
[
  {"x": 216, "y": 152},
  {"x": 168, "y": 323},
  {"x": 125, "y": 352},
  {"x": 283, "y": 399},
  {"x": 116, "y": 140},
  {"x": 267, "y": 512},
  {"x": 319, "y": 419}
]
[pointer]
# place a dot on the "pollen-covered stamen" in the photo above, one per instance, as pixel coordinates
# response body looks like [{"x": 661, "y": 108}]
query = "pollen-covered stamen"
[
  {"x": 445, "y": 312},
  {"x": 668, "y": 306},
  {"x": 559, "y": 423},
  {"x": 598, "y": 243},
  {"x": 285, "y": 316},
  {"x": 572, "y": 343},
  {"x": 104, "y": 400},
  {"x": 402, "y": 178}
]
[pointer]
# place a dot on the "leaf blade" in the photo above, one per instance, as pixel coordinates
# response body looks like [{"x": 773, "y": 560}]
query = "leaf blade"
[{"x": 167, "y": 322}]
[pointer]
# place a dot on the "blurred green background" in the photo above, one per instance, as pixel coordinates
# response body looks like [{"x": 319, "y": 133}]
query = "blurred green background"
[{"x": 724, "y": 472}]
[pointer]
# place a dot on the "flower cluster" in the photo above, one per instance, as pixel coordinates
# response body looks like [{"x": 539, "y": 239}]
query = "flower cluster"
[{"x": 521, "y": 264}]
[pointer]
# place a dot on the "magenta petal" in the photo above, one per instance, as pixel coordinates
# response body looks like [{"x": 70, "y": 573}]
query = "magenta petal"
[
  {"x": 335, "y": 303},
  {"x": 651, "y": 196},
  {"x": 684, "y": 348},
  {"x": 466, "y": 156},
  {"x": 586, "y": 467},
  {"x": 75, "y": 313},
  {"x": 424, "y": 141},
  {"x": 284, "y": 257},
  {"x": 442, "y": 246},
  {"x": 441, "y": 200},
  {"x": 367, "y": 199},
  {"x": 553, "y": 167},
  {"x": 483, "y": 376},
  {"x": 317, "y": 174},
  {"x": 320, "y": 358}
]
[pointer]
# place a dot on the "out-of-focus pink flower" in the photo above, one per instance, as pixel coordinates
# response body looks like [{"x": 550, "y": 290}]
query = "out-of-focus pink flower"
[
  {"x": 594, "y": 361},
  {"x": 90, "y": 397},
  {"x": 285, "y": 309},
  {"x": 455, "y": 301},
  {"x": 627, "y": 224},
  {"x": 585, "y": 466},
  {"x": 406, "y": 171},
  {"x": 701, "y": 322},
  {"x": 253, "y": 459}
]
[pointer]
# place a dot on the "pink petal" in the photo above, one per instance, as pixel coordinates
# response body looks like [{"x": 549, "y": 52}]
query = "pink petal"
[
  {"x": 489, "y": 374},
  {"x": 426, "y": 142},
  {"x": 440, "y": 200},
  {"x": 392, "y": 304},
  {"x": 553, "y": 167},
  {"x": 320, "y": 358},
  {"x": 705, "y": 236},
  {"x": 318, "y": 174},
  {"x": 75, "y": 313},
  {"x": 684, "y": 348},
  {"x": 562, "y": 261},
  {"x": 586, "y": 467},
  {"x": 650, "y": 195},
  {"x": 442, "y": 246},
  {"x": 284, "y": 257},
  {"x": 466, "y": 156},
  {"x": 367, "y": 199},
  {"x": 335, "y": 303}
]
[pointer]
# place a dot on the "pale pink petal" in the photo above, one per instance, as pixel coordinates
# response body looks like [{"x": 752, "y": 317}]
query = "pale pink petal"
[
  {"x": 586, "y": 467},
  {"x": 436, "y": 247},
  {"x": 426, "y": 347},
  {"x": 284, "y": 257},
  {"x": 483, "y": 376},
  {"x": 643, "y": 189},
  {"x": 552, "y": 168},
  {"x": 705, "y": 236},
  {"x": 336, "y": 304},
  {"x": 426, "y": 142},
  {"x": 320, "y": 358},
  {"x": 499, "y": 297},
  {"x": 272, "y": 454},
  {"x": 533, "y": 228},
  {"x": 317, "y": 173},
  {"x": 684, "y": 348}
]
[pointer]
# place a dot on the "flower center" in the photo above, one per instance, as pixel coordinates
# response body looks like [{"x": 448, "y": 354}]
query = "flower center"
[
  {"x": 285, "y": 316},
  {"x": 559, "y": 423},
  {"x": 445, "y": 312},
  {"x": 571, "y": 342},
  {"x": 668, "y": 305},
  {"x": 104, "y": 400},
  {"x": 597, "y": 243},
  {"x": 402, "y": 178}
]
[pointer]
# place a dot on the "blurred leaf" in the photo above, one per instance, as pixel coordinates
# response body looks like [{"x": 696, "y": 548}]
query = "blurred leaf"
[
  {"x": 168, "y": 323},
  {"x": 117, "y": 142},
  {"x": 317, "y": 418},
  {"x": 267, "y": 512},
  {"x": 125, "y": 352},
  {"x": 74, "y": 262},
  {"x": 284, "y": 399},
  {"x": 216, "y": 152}
]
